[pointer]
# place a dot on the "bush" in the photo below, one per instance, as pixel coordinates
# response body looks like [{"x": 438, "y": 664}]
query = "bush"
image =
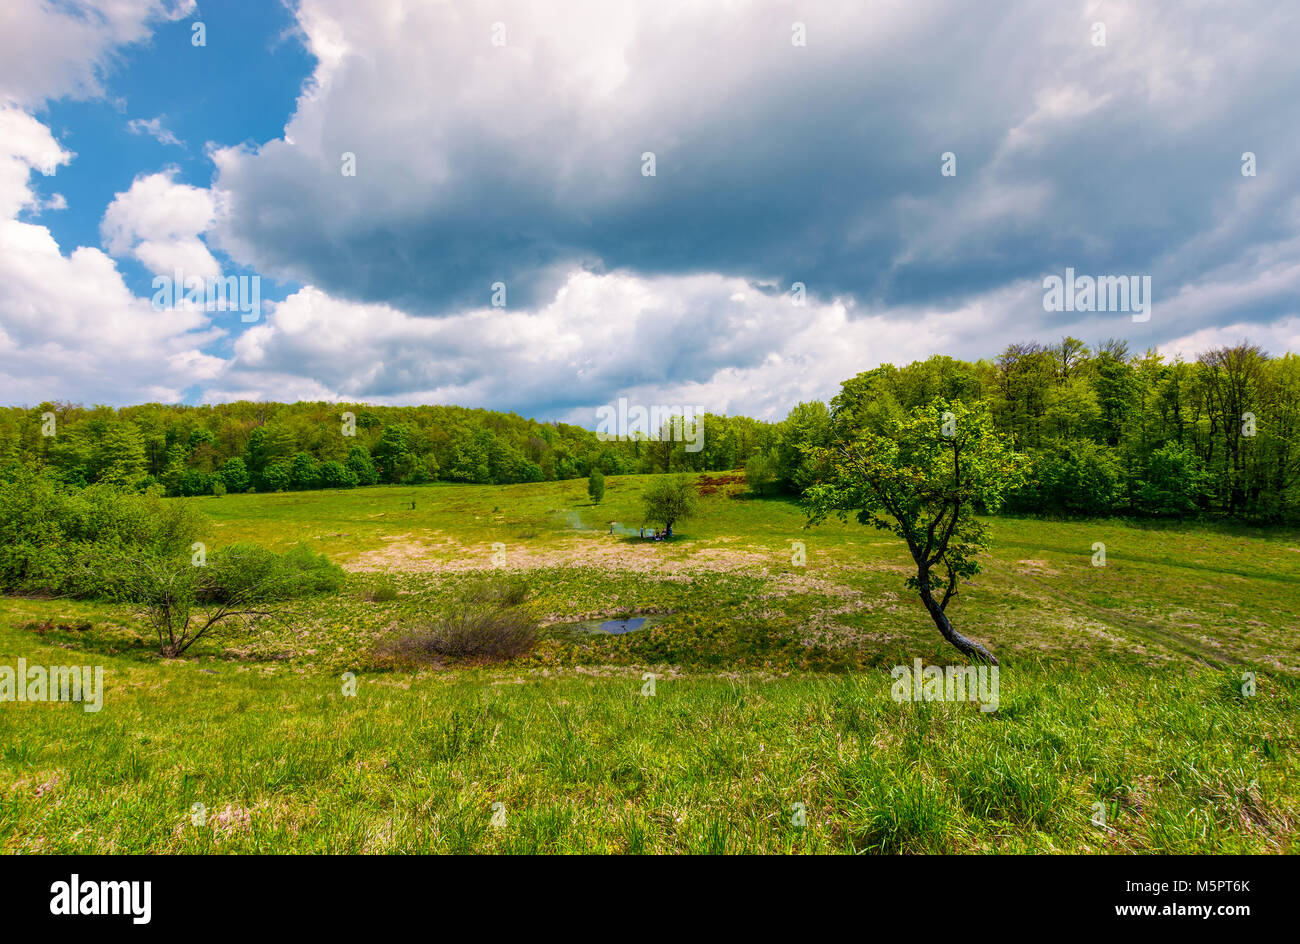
[
  {"x": 244, "y": 570},
  {"x": 334, "y": 474},
  {"x": 276, "y": 477},
  {"x": 234, "y": 475},
  {"x": 57, "y": 539},
  {"x": 486, "y": 623},
  {"x": 184, "y": 603}
]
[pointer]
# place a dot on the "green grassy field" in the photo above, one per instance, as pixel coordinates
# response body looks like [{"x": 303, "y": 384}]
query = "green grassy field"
[{"x": 1120, "y": 692}]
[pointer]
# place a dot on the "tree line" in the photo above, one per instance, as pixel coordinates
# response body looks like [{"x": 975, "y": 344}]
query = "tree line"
[{"x": 1103, "y": 430}]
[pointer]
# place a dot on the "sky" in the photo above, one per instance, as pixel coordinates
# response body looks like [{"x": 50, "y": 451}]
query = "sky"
[{"x": 453, "y": 202}]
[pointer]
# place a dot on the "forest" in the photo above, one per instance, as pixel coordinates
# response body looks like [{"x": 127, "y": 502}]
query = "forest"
[{"x": 1106, "y": 432}]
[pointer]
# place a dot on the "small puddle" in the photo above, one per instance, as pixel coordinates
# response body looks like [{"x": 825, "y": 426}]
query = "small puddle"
[
  {"x": 611, "y": 627},
  {"x": 618, "y": 627}
]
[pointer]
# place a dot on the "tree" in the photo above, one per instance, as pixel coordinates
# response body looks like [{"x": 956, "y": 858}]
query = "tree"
[
  {"x": 393, "y": 454},
  {"x": 669, "y": 499},
  {"x": 1173, "y": 482},
  {"x": 184, "y": 602},
  {"x": 596, "y": 486},
  {"x": 335, "y": 474},
  {"x": 277, "y": 477},
  {"x": 234, "y": 473},
  {"x": 360, "y": 465},
  {"x": 760, "y": 471},
  {"x": 923, "y": 480},
  {"x": 118, "y": 456},
  {"x": 304, "y": 471}
]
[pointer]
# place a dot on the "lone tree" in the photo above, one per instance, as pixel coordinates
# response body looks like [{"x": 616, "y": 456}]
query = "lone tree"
[
  {"x": 596, "y": 486},
  {"x": 669, "y": 499},
  {"x": 922, "y": 477}
]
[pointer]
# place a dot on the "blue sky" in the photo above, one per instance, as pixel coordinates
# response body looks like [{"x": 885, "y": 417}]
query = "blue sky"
[
  {"x": 245, "y": 93},
  {"x": 503, "y": 143}
]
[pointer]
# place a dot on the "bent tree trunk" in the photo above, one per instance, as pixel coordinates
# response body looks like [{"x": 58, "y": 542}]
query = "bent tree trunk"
[{"x": 968, "y": 647}]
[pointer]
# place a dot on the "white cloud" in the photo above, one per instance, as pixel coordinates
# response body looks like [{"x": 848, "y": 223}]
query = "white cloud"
[
  {"x": 51, "y": 50},
  {"x": 155, "y": 129},
  {"x": 69, "y": 326},
  {"x": 26, "y": 145},
  {"x": 158, "y": 221}
]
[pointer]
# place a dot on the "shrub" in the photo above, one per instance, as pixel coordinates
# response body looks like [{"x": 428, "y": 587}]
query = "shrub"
[
  {"x": 487, "y": 622},
  {"x": 239, "y": 584},
  {"x": 335, "y": 474},
  {"x": 276, "y": 477},
  {"x": 57, "y": 539},
  {"x": 304, "y": 471},
  {"x": 234, "y": 475},
  {"x": 243, "y": 569}
]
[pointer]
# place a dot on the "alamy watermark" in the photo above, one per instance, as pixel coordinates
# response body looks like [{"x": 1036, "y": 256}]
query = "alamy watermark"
[
  {"x": 657, "y": 423},
  {"x": 81, "y": 683},
  {"x": 242, "y": 293},
  {"x": 919, "y": 682},
  {"x": 1130, "y": 293},
  {"x": 75, "y": 897}
]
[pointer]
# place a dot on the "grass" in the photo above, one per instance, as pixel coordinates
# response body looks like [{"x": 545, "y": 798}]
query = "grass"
[{"x": 1120, "y": 686}]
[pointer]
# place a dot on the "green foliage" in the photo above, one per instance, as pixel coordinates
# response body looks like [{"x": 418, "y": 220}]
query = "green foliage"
[
  {"x": 234, "y": 474},
  {"x": 392, "y": 454},
  {"x": 1077, "y": 477},
  {"x": 1174, "y": 481},
  {"x": 334, "y": 474},
  {"x": 277, "y": 477},
  {"x": 923, "y": 478},
  {"x": 361, "y": 466},
  {"x": 247, "y": 571},
  {"x": 669, "y": 499},
  {"x": 1094, "y": 421},
  {"x": 596, "y": 486},
  {"x": 304, "y": 472},
  {"x": 56, "y": 539},
  {"x": 761, "y": 470}
]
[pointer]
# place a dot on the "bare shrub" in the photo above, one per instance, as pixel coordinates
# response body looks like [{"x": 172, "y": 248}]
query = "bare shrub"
[{"x": 486, "y": 622}]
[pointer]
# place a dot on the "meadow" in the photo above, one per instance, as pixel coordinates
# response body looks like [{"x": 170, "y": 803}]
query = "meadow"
[{"x": 1123, "y": 725}]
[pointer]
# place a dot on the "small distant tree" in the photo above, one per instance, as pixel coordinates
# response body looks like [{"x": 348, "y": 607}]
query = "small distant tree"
[
  {"x": 922, "y": 477},
  {"x": 760, "y": 471},
  {"x": 596, "y": 486},
  {"x": 669, "y": 499}
]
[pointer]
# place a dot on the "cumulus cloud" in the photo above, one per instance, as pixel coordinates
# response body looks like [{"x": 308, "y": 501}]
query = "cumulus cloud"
[
  {"x": 69, "y": 326},
  {"x": 27, "y": 146},
  {"x": 478, "y": 163},
  {"x": 51, "y": 50},
  {"x": 714, "y": 341},
  {"x": 158, "y": 221}
]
